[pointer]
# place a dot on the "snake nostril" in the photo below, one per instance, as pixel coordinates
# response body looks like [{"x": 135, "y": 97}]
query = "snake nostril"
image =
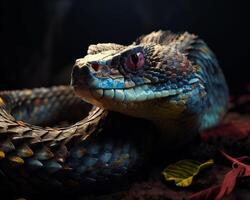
[
  {"x": 80, "y": 75},
  {"x": 95, "y": 66}
]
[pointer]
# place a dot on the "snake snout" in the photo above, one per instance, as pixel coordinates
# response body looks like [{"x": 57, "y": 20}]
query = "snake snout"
[{"x": 79, "y": 75}]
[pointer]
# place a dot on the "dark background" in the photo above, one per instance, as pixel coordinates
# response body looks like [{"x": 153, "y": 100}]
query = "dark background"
[{"x": 41, "y": 39}]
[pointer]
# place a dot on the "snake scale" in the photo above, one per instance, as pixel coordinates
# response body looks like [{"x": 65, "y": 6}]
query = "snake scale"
[{"x": 171, "y": 80}]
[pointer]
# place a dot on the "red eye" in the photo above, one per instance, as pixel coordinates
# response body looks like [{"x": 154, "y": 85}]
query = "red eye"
[{"x": 135, "y": 61}]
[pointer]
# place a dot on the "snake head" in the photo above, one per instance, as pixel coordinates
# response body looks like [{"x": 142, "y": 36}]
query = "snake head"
[
  {"x": 135, "y": 79},
  {"x": 171, "y": 79}
]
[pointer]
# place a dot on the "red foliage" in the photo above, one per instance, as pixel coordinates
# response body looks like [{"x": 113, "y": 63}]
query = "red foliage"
[
  {"x": 239, "y": 169},
  {"x": 234, "y": 129}
]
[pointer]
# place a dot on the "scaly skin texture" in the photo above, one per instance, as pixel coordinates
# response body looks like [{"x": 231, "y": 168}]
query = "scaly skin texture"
[
  {"x": 36, "y": 158},
  {"x": 170, "y": 79}
]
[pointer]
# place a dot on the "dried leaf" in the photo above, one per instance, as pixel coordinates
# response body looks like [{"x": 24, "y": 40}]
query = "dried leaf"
[{"x": 184, "y": 171}]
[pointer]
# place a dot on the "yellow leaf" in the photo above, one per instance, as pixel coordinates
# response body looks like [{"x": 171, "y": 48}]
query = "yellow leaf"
[{"x": 183, "y": 172}]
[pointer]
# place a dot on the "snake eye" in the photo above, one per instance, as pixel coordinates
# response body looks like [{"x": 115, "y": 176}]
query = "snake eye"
[{"x": 135, "y": 61}]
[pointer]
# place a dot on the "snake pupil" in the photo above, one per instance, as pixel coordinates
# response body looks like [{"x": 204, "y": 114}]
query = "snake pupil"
[{"x": 134, "y": 58}]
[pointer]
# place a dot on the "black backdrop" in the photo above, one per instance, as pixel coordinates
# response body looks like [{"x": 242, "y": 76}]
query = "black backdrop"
[{"x": 41, "y": 39}]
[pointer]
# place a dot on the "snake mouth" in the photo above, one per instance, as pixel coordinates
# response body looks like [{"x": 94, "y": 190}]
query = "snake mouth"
[
  {"x": 135, "y": 94},
  {"x": 129, "y": 97},
  {"x": 117, "y": 93},
  {"x": 140, "y": 104}
]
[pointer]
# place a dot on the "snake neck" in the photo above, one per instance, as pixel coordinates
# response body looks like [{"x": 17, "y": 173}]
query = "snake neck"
[{"x": 176, "y": 133}]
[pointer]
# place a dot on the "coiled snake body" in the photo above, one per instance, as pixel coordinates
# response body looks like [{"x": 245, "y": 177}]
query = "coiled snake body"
[{"x": 172, "y": 80}]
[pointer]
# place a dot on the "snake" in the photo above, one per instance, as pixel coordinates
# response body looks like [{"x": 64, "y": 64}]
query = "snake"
[{"x": 95, "y": 130}]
